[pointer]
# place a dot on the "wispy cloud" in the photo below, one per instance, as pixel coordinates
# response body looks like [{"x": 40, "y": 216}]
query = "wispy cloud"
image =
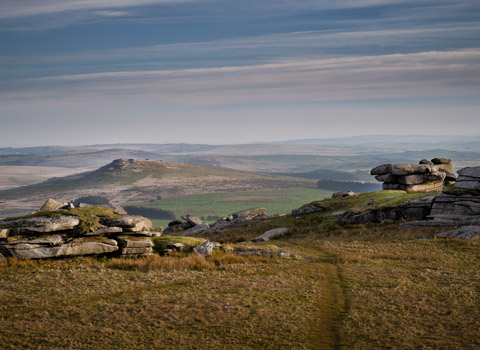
[
  {"x": 389, "y": 76},
  {"x": 112, "y": 13},
  {"x": 16, "y": 8}
]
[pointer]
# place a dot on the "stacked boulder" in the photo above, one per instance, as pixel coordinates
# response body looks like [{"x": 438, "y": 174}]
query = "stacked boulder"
[
  {"x": 427, "y": 176},
  {"x": 54, "y": 233},
  {"x": 456, "y": 209}
]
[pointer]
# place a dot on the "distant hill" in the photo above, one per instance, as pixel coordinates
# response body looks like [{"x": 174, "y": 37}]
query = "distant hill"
[{"x": 130, "y": 181}]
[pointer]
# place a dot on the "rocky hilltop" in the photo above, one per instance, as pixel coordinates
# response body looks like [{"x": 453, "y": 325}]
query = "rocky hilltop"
[{"x": 135, "y": 181}]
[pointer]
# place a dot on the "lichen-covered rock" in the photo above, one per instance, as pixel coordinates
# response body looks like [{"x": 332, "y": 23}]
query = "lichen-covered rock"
[
  {"x": 381, "y": 169},
  {"x": 51, "y": 205},
  {"x": 417, "y": 179},
  {"x": 130, "y": 223},
  {"x": 41, "y": 224},
  {"x": 276, "y": 232},
  {"x": 105, "y": 231}
]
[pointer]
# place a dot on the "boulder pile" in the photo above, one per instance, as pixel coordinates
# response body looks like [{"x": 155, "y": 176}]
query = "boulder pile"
[
  {"x": 427, "y": 176},
  {"x": 75, "y": 231}
]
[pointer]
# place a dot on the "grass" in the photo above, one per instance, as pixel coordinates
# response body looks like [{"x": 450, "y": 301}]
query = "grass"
[
  {"x": 223, "y": 204},
  {"x": 363, "y": 287}
]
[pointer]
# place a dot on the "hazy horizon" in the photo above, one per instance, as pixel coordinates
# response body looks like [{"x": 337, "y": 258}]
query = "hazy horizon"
[{"x": 223, "y": 72}]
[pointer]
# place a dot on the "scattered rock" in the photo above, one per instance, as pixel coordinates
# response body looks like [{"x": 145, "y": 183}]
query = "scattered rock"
[
  {"x": 197, "y": 230},
  {"x": 336, "y": 213},
  {"x": 369, "y": 202},
  {"x": 192, "y": 219},
  {"x": 465, "y": 232},
  {"x": 276, "y": 232},
  {"x": 51, "y": 205},
  {"x": 250, "y": 212},
  {"x": 206, "y": 248},
  {"x": 307, "y": 209}
]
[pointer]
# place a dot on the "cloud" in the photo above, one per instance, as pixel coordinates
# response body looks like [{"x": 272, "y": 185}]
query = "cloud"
[
  {"x": 16, "y": 8},
  {"x": 427, "y": 74},
  {"x": 112, "y": 13}
]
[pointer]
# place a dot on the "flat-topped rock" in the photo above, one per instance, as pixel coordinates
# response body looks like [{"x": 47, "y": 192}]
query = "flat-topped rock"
[
  {"x": 41, "y": 224},
  {"x": 417, "y": 179},
  {"x": 381, "y": 169},
  {"x": 409, "y": 169},
  {"x": 472, "y": 172},
  {"x": 441, "y": 161}
]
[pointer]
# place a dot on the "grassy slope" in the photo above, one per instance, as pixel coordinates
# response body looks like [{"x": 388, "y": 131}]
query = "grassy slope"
[
  {"x": 368, "y": 287},
  {"x": 222, "y": 204}
]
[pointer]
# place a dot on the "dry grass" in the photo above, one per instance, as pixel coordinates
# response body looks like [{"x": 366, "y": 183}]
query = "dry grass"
[{"x": 244, "y": 303}]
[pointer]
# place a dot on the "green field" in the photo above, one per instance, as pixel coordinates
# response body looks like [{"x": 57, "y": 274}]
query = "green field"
[{"x": 225, "y": 203}]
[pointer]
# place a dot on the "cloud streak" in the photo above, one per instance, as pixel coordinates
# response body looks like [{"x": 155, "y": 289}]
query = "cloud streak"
[{"x": 427, "y": 74}]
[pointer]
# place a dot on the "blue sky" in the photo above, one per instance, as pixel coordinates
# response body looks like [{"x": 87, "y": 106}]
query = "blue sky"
[{"x": 208, "y": 71}]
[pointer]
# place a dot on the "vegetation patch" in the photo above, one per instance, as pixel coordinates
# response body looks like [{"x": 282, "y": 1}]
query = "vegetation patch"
[{"x": 160, "y": 243}]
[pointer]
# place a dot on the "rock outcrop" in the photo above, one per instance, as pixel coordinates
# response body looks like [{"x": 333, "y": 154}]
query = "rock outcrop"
[
  {"x": 413, "y": 209},
  {"x": 455, "y": 207},
  {"x": 427, "y": 176},
  {"x": 75, "y": 232}
]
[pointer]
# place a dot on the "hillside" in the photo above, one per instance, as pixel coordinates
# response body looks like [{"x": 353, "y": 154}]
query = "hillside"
[{"x": 140, "y": 181}]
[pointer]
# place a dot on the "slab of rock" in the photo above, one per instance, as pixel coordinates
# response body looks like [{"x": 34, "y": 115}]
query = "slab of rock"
[
  {"x": 130, "y": 223},
  {"x": 134, "y": 242},
  {"x": 417, "y": 179},
  {"x": 176, "y": 223},
  {"x": 38, "y": 248},
  {"x": 423, "y": 188},
  {"x": 381, "y": 169},
  {"x": 408, "y": 169},
  {"x": 468, "y": 185},
  {"x": 51, "y": 205},
  {"x": 465, "y": 232},
  {"x": 441, "y": 161},
  {"x": 389, "y": 178},
  {"x": 88, "y": 246},
  {"x": 343, "y": 194},
  {"x": 42, "y": 224},
  {"x": 472, "y": 172},
  {"x": 206, "y": 248},
  {"x": 426, "y": 161},
  {"x": 276, "y": 232},
  {"x": 250, "y": 212},
  {"x": 196, "y": 230},
  {"x": 192, "y": 219},
  {"x": 105, "y": 231}
]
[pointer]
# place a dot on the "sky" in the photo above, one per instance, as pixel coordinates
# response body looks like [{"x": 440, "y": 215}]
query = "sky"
[{"x": 75, "y": 72}]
